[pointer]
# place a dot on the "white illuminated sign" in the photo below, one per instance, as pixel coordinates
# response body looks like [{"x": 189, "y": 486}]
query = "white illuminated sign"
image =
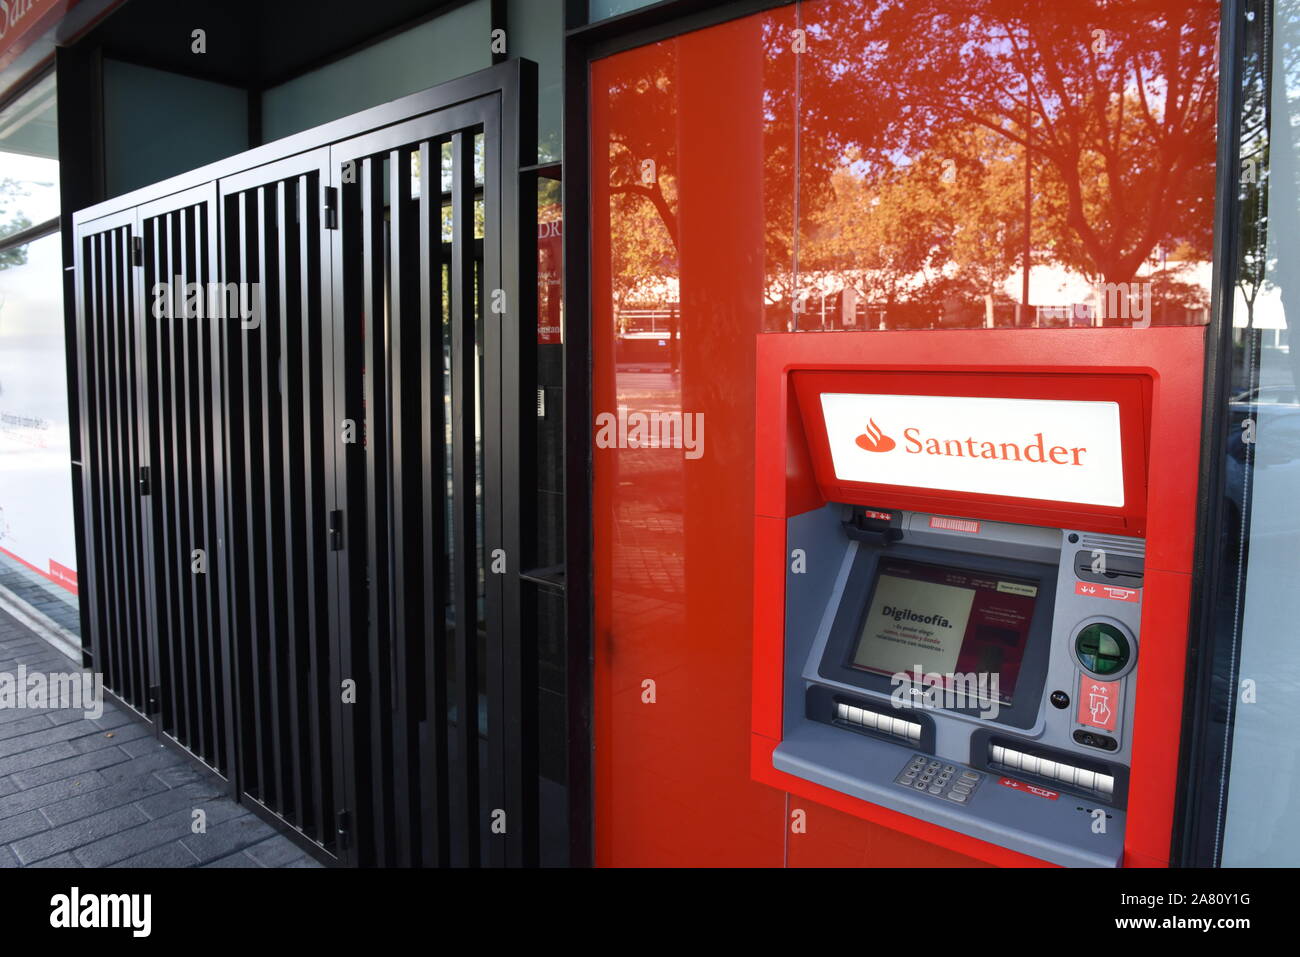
[{"x": 1054, "y": 449}]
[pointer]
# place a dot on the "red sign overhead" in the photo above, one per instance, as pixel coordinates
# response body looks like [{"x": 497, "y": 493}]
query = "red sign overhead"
[
  {"x": 871, "y": 438},
  {"x": 21, "y": 21}
]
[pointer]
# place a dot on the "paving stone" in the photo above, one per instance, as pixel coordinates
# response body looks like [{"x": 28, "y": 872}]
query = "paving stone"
[
  {"x": 58, "y": 860},
  {"x": 127, "y": 842},
  {"x": 41, "y": 659},
  {"x": 78, "y": 791},
  {"x": 87, "y": 831},
  {"x": 182, "y": 774},
  {"x": 185, "y": 797},
  {"x": 22, "y": 825},
  {"x": 113, "y": 718},
  {"x": 36, "y": 757},
  {"x": 33, "y": 719},
  {"x": 78, "y": 764},
  {"x": 102, "y": 799},
  {"x": 146, "y": 764},
  {"x": 238, "y": 859},
  {"x": 141, "y": 745},
  {"x": 10, "y": 716},
  {"x": 47, "y": 735},
  {"x": 223, "y": 838},
  {"x": 174, "y": 854},
  {"x": 49, "y": 794},
  {"x": 274, "y": 851},
  {"x": 32, "y": 722},
  {"x": 29, "y": 645},
  {"x": 109, "y": 739}
]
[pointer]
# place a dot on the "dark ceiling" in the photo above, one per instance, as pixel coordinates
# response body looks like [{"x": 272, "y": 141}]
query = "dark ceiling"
[{"x": 252, "y": 43}]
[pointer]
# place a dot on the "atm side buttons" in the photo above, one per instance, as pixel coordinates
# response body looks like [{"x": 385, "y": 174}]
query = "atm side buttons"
[{"x": 939, "y": 779}]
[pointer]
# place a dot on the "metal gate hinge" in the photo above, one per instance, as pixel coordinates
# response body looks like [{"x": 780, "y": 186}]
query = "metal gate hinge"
[
  {"x": 137, "y": 251},
  {"x": 144, "y": 480},
  {"x": 331, "y": 208},
  {"x": 155, "y": 699},
  {"x": 335, "y": 528},
  {"x": 343, "y": 826}
]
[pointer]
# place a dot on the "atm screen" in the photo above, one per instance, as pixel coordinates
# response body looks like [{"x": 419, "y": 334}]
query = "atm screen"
[{"x": 947, "y": 621}]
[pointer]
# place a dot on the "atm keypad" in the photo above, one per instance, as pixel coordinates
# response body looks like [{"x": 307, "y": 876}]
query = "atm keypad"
[{"x": 938, "y": 778}]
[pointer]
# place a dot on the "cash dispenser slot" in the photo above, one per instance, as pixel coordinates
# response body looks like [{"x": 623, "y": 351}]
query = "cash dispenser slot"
[{"x": 1051, "y": 767}]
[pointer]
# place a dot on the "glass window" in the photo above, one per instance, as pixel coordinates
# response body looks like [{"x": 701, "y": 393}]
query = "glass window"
[
  {"x": 29, "y": 174},
  {"x": 1026, "y": 166},
  {"x": 448, "y": 46},
  {"x": 604, "y": 9},
  {"x": 37, "y": 541},
  {"x": 1257, "y": 706},
  {"x": 537, "y": 33},
  {"x": 840, "y": 165},
  {"x": 206, "y": 122}
]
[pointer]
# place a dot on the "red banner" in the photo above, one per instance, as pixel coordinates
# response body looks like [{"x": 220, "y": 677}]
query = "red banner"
[
  {"x": 21, "y": 21},
  {"x": 550, "y": 274}
]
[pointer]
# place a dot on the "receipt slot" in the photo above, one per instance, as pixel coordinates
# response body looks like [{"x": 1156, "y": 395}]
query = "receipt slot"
[{"x": 972, "y": 579}]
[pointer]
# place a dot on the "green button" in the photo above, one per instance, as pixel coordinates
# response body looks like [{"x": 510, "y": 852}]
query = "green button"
[{"x": 1102, "y": 649}]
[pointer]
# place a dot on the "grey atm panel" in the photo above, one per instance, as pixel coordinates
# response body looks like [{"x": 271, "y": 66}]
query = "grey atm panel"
[{"x": 884, "y": 612}]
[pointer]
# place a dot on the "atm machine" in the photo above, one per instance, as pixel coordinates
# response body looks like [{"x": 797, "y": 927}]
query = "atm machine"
[{"x": 972, "y": 579}]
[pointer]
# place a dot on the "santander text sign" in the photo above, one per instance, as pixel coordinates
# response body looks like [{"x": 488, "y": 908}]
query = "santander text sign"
[{"x": 1054, "y": 449}]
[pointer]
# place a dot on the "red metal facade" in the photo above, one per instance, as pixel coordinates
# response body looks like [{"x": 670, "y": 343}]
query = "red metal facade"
[{"x": 724, "y": 169}]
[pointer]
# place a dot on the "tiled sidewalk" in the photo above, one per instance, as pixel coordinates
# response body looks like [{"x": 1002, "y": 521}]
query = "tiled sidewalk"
[
  {"x": 28, "y": 587},
  {"x": 104, "y": 793}
]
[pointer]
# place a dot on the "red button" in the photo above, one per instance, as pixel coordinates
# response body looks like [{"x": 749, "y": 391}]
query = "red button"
[{"x": 1098, "y": 703}]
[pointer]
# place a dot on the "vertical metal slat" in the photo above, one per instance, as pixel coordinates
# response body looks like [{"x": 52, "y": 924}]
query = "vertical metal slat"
[{"x": 464, "y": 494}]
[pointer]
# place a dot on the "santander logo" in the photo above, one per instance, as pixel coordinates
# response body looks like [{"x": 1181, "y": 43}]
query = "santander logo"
[
  {"x": 874, "y": 440},
  {"x": 978, "y": 444},
  {"x": 1037, "y": 451}
]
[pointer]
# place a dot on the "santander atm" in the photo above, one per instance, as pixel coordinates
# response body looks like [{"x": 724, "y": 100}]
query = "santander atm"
[{"x": 973, "y": 562}]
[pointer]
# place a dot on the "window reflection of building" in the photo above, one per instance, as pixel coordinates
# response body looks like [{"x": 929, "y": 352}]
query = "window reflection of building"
[{"x": 37, "y": 543}]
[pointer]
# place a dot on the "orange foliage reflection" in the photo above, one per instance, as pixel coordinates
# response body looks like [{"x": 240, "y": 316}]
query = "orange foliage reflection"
[{"x": 950, "y": 163}]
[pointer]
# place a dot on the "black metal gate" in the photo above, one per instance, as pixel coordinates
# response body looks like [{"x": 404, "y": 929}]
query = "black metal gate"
[
  {"x": 117, "y": 604},
  {"x": 305, "y": 377},
  {"x": 277, "y": 364},
  {"x": 182, "y": 473}
]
